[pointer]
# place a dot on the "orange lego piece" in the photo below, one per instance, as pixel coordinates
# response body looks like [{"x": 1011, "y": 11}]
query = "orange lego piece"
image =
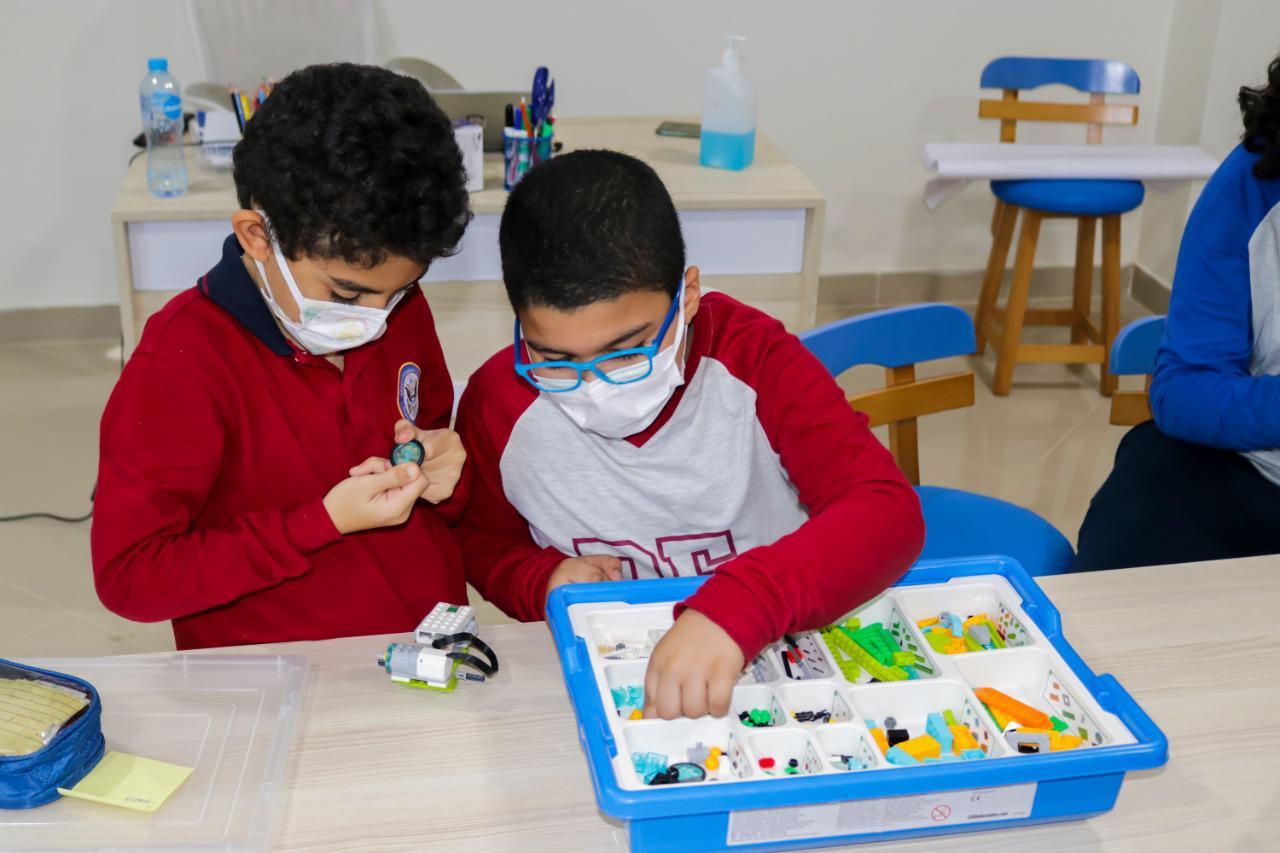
[
  {"x": 881, "y": 741},
  {"x": 922, "y": 747},
  {"x": 1019, "y": 712},
  {"x": 636, "y": 714}
]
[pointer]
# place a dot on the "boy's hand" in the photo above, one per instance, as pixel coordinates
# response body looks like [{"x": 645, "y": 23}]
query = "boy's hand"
[
  {"x": 596, "y": 567},
  {"x": 692, "y": 670},
  {"x": 375, "y": 495},
  {"x": 445, "y": 457}
]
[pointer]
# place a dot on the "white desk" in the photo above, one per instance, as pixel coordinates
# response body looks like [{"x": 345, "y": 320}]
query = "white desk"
[
  {"x": 756, "y": 234},
  {"x": 495, "y": 767}
]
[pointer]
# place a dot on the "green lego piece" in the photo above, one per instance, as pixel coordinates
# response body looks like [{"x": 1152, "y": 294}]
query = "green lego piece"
[
  {"x": 939, "y": 640},
  {"x": 971, "y": 644},
  {"x": 1059, "y": 725},
  {"x": 853, "y": 623},
  {"x": 950, "y": 718},
  {"x": 874, "y": 667},
  {"x": 996, "y": 638},
  {"x": 877, "y": 642},
  {"x": 904, "y": 659},
  {"x": 839, "y": 645},
  {"x": 760, "y": 717}
]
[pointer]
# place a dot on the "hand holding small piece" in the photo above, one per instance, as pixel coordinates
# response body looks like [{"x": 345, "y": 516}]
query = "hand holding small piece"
[
  {"x": 375, "y": 495},
  {"x": 443, "y": 459},
  {"x": 692, "y": 670}
]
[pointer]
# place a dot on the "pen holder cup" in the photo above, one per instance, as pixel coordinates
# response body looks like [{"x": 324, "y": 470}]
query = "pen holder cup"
[{"x": 520, "y": 153}]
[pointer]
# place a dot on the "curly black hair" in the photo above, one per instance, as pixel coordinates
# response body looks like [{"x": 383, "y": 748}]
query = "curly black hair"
[
  {"x": 587, "y": 227},
  {"x": 356, "y": 163},
  {"x": 1261, "y": 108}
]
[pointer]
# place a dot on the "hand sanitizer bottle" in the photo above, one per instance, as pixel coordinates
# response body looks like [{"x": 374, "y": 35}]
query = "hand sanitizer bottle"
[{"x": 728, "y": 113}]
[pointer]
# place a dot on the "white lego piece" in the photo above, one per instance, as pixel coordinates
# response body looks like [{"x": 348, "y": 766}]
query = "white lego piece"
[{"x": 445, "y": 620}]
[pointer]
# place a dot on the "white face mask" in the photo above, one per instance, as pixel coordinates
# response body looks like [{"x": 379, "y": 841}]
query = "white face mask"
[
  {"x": 618, "y": 411},
  {"x": 323, "y": 327}
]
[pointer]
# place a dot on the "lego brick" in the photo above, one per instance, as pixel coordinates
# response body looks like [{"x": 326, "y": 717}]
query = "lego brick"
[
  {"x": 926, "y": 746},
  {"x": 1022, "y": 713}
]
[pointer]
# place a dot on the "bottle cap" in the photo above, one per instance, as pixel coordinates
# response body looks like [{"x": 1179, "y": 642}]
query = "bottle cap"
[{"x": 157, "y": 63}]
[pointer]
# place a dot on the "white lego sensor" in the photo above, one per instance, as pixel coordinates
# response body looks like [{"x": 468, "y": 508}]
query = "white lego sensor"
[{"x": 445, "y": 620}]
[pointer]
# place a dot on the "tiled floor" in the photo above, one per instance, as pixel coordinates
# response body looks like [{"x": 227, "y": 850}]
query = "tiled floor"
[{"x": 1047, "y": 446}]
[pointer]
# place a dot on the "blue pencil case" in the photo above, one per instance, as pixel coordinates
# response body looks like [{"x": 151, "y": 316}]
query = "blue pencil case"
[{"x": 50, "y": 734}]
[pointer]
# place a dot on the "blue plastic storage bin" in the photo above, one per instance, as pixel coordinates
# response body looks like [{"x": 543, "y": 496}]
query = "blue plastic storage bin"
[{"x": 824, "y": 804}]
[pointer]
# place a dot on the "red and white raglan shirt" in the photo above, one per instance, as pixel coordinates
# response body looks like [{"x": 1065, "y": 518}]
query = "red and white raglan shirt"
[
  {"x": 757, "y": 472},
  {"x": 219, "y": 443}
]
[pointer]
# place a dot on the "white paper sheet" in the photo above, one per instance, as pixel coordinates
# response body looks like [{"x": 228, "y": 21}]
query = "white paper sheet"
[{"x": 1159, "y": 166}]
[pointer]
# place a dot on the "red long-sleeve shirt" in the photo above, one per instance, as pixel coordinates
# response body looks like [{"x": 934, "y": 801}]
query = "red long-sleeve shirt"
[
  {"x": 757, "y": 470},
  {"x": 218, "y": 446}
]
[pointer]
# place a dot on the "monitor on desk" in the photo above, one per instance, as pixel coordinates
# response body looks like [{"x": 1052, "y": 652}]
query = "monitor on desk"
[{"x": 491, "y": 105}]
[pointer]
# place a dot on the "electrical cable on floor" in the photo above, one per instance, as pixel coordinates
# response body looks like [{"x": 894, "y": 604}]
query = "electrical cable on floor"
[{"x": 65, "y": 519}]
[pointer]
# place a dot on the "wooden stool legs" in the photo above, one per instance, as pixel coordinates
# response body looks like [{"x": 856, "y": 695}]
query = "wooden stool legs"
[
  {"x": 1089, "y": 344},
  {"x": 1002, "y": 223},
  {"x": 1082, "y": 296},
  {"x": 1016, "y": 306},
  {"x": 1110, "y": 296}
]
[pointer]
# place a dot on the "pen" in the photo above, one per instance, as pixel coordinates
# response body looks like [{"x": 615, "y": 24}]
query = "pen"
[
  {"x": 244, "y": 105},
  {"x": 235, "y": 108}
]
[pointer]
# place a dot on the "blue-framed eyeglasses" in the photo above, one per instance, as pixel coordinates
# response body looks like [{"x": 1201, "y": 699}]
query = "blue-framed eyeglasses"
[{"x": 617, "y": 368}]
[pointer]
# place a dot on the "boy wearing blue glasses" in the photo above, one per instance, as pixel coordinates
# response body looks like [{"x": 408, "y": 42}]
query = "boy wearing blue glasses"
[{"x": 640, "y": 428}]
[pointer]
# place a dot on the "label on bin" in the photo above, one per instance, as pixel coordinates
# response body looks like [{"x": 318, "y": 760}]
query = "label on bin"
[{"x": 883, "y": 814}]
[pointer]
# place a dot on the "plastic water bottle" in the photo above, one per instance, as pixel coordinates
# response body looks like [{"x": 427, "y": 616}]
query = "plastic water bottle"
[
  {"x": 161, "y": 101},
  {"x": 728, "y": 113}
]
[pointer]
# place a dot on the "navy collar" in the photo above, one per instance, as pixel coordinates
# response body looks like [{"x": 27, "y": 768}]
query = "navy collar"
[{"x": 230, "y": 286}]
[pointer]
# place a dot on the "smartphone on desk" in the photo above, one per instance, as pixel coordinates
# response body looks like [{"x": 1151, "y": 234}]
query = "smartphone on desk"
[{"x": 682, "y": 129}]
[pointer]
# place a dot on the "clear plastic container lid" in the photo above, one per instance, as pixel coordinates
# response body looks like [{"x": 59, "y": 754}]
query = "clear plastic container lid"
[{"x": 231, "y": 717}]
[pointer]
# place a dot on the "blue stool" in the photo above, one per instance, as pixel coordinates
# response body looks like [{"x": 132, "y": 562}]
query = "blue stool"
[
  {"x": 1037, "y": 200},
  {"x": 1134, "y": 354},
  {"x": 957, "y": 523}
]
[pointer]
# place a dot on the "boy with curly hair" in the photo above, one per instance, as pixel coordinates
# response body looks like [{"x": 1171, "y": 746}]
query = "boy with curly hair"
[{"x": 243, "y": 487}]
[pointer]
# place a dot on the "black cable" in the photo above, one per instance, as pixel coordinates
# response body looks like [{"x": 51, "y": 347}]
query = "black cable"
[
  {"x": 489, "y": 667},
  {"x": 26, "y": 516}
]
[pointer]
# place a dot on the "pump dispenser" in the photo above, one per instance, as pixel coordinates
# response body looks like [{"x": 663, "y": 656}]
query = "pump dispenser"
[{"x": 728, "y": 112}]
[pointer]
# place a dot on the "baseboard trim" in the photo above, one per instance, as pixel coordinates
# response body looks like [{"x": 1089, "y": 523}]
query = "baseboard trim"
[
  {"x": 61, "y": 323},
  {"x": 1150, "y": 290},
  {"x": 861, "y": 290}
]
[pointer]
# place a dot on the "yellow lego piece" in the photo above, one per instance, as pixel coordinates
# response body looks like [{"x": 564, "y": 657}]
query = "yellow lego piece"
[
  {"x": 636, "y": 714},
  {"x": 925, "y": 623},
  {"x": 1002, "y": 719},
  {"x": 976, "y": 620},
  {"x": 962, "y": 739},
  {"x": 1061, "y": 740},
  {"x": 881, "y": 741},
  {"x": 922, "y": 747}
]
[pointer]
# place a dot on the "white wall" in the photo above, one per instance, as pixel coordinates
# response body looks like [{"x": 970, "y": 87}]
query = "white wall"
[
  {"x": 850, "y": 90},
  {"x": 1215, "y": 47}
]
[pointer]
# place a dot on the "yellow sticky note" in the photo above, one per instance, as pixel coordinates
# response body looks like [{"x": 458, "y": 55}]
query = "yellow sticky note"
[{"x": 129, "y": 781}]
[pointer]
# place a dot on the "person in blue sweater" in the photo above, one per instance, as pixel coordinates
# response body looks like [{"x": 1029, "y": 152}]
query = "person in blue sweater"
[{"x": 1202, "y": 481}]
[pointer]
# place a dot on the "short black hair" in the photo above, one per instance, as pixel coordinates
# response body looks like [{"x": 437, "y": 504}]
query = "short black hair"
[
  {"x": 587, "y": 227},
  {"x": 1261, "y": 108},
  {"x": 355, "y": 163}
]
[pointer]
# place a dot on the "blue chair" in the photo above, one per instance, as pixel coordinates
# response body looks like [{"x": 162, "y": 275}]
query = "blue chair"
[
  {"x": 1037, "y": 200},
  {"x": 957, "y": 523},
  {"x": 1134, "y": 354}
]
